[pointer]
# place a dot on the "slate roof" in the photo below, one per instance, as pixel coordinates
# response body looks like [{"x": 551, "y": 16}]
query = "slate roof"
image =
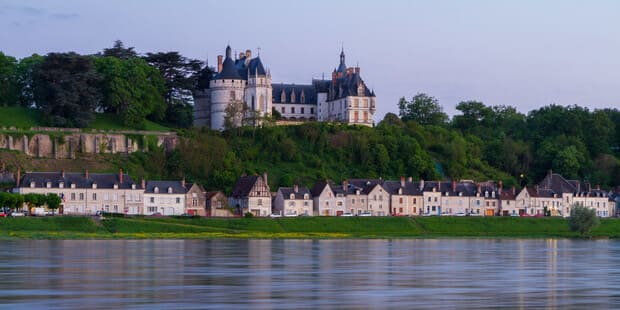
[
  {"x": 318, "y": 187},
  {"x": 557, "y": 184},
  {"x": 244, "y": 185},
  {"x": 177, "y": 187},
  {"x": 103, "y": 180},
  {"x": 210, "y": 195},
  {"x": 299, "y": 195},
  {"x": 309, "y": 92},
  {"x": 348, "y": 83}
]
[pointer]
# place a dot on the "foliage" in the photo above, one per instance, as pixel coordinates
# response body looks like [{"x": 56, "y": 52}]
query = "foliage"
[
  {"x": 131, "y": 89},
  {"x": 52, "y": 201},
  {"x": 582, "y": 219},
  {"x": 9, "y": 91},
  {"x": 423, "y": 109},
  {"x": 120, "y": 51},
  {"x": 66, "y": 89}
]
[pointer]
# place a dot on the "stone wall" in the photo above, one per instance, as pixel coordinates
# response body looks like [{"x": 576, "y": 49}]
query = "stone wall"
[{"x": 69, "y": 144}]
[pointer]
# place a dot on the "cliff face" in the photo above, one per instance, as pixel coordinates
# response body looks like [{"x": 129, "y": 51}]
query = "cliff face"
[{"x": 59, "y": 144}]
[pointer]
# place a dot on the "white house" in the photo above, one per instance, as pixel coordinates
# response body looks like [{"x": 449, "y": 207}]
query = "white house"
[
  {"x": 293, "y": 201},
  {"x": 164, "y": 197}
]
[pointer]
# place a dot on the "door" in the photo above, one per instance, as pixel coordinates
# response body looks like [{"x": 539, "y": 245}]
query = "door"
[
  {"x": 339, "y": 213},
  {"x": 490, "y": 212}
]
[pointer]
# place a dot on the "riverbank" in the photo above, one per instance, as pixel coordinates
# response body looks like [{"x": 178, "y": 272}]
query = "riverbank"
[{"x": 65, "y": 227}]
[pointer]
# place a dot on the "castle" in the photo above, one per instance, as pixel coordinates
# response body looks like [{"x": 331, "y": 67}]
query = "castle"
[{"x": 345, "y": 98}]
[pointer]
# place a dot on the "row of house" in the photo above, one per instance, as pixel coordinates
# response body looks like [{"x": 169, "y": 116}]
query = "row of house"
[{"x": 87, "y": 193}]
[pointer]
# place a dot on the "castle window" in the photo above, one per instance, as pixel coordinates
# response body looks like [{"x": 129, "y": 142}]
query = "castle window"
[
  {"x": 293, "y": 110},
  {"x": 293, "y": 96},
  {"x": 365, "y": 116},
  {"x": 283, "y": 97},
  {"x": 356, "y": 103},
  {"x": 312, "y": 110},
  {"x": 302, "y": 110},
  {"x": 303, "y": 97},
  {"x": 253, "y": 105},
  {"x": 232, "y": 95},
  {"x": 355, "y": 116},
  {"x": 283, "y": 110}
]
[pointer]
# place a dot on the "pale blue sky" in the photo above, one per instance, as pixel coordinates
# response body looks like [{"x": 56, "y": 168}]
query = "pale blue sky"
[{"x": 521, "y": 53}]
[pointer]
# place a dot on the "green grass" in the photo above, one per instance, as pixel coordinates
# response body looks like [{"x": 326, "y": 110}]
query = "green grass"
[
  {"x": 65, "y": 227},
  {"x": 24, "y": 118},
  {"x": 19, "y": 117}
]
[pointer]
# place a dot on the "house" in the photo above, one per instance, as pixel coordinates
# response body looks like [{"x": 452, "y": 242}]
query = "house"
[
  {"x": 85, "y": 193},
  {"x": 217, "y": 205},
  {"x": 508, "y": 203},
  {"x": 328, "y": 199},
  {"x": 164, "y": 197},
  {"x": 293, "y": 201},
  {"x": 405, "y": 197},
  {"x": 251, "y": 194},
  {"x": 195, "y": 200}
]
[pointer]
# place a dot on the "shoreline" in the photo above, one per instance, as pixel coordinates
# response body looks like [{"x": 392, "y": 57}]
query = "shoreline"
[{"x": 143, "y": 228}]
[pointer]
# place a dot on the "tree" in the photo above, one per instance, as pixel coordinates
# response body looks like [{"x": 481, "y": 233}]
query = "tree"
[
  {"x": 25, "y": 82},
  {"x": 132, "y": 89},
  {"x": 53, "y": 202},
  {"x": 66, "y": 88},
  {"x": 582, "y": 219},
  {"x": 120, "y": 51},
  {"x": 423, "y": 109},
  {"x": 234, "y": 115},
  {"x": 9, "y": 92}
]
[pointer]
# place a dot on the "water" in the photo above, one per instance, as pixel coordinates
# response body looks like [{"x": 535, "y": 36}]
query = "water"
[{"x": 310, "y": 274}]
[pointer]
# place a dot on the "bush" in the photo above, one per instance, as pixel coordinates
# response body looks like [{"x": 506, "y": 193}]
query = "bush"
[
  {"x": 582, "y": 219},
  {"x": 248, "y": 215}
]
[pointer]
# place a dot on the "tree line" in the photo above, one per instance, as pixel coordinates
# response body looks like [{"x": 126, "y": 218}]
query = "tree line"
[
  {"x": 69, "y": 88},
  {"x": 15, "y": 201}
]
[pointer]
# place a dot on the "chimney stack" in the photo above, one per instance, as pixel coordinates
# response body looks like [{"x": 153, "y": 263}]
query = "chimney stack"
[
  {"x": 454, "y": 185},
  {"x": 514, "y": 191},
  {"x": 120, "y": 175},
  {"x": 345, "y": 185},
  {"x": 143, "y": 183},
  {"x": 410, "y": 179},
  {"x": 86, "y": 173},
  {"x": 248, "y": 54},
  {"x": 479, "y": 188},
  {"x": 219, "y": 63},
  {"x": 295, "y": 188},
  {"x": 501, "y": 186},
  {"x": 421, "y": 184},
  {"x": 18, "y": 176},
  {"x": 183, "y": 182},
  {"x": 62, "y": 173},
  {"x": 402, "y": 181},
  {"x": 439, "y": 186},
  {"x": 265, "y": 178}
]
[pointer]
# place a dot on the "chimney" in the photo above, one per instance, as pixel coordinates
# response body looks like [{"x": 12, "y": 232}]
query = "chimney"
[
  {"x": 18, "y": 176},
  {"x": 295, "y": 188},
  {"x": 402, "y": 181},
  {"x": 357, "y": 70},
  {"x": 439, "y": 186},
  {"x": 501, "y": 186},
  {"x": 143, "y": 183},
  {"x": 345, "y": 184},
  {"x": 62, "y": 173},
  {"x": 219, "y": 63},
  {"x": 479, "y": 188},
  {"x": 598, "y": 187},
  {"x": 86, "y": 173},
  {"x": 248, "y": 54},
  {"x": 120, "y": 176},
  {"x": 410, "y": 179},
  {"x": 183, "y": 182},
  {"x": 514, "y": 191},
  {"x": 589, "y": 187},
  {"x": 454, "y": 185},
  {"x": 265, "y": 178},
  {"x": 421, "y": 184}
]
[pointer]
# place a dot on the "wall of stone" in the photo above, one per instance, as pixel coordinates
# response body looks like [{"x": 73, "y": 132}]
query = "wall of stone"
[{"x": 69, "y": 144}]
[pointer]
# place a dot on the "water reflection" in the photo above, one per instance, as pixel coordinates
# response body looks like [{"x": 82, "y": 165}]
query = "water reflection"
[{"x": 302, "y": 274}]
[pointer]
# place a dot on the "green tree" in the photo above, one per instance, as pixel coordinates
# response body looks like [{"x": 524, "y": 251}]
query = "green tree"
[
  {"x": 120, "y": 51},
  {"x": 66, "y": 88},
  {"x": 25, "y": 82},
  {"x": 423, "y": 109},
  {"x": 9, "y": 92},
  {"x": 132, "y": 89},
  {"x": 582, "y": 219},
  {"x": 53, "y": 202}
]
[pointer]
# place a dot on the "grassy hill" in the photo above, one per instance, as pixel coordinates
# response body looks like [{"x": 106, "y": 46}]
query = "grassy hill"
[
  {"x": 24, "y": 118},
  {"x": 65, "y": 227}
]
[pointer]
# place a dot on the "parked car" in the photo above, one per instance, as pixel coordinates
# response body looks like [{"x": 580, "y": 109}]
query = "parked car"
[
  {"x": 365, "y": 213},
  {"x": 156, "y": 214},
  {"x": 275, "y": 215},
  {"x": 514, "y": 214},
  {"x": 346, "y": 214},
  {"x": 3, "y": 214},
  {"x": 460, "y": 214},
  {"x": 16, "y": 214}
]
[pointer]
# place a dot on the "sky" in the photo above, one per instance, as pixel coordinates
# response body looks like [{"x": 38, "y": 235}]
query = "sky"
[{"x": 523, "y": 53}]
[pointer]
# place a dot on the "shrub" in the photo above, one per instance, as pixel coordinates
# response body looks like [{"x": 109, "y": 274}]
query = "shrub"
[
  {"x": 582, "y": 219},
  {"x": 248, "y": 215}
]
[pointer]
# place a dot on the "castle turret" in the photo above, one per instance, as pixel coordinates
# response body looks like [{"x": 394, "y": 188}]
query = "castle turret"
[{"x": 226, "y": 88}]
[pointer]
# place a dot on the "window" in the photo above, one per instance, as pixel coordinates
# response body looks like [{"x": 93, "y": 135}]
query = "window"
[
  {"x": 152, "y": 200},
  {"x": 365, "y": 116},
  {"x": 178, "y": 200},
  {"x": 303, "y": 111},
  {"x": 339, "y": 203},
  {"x": 283, "y": 110},
  {"x": 152, "y": 209},
  {"x": 355, "y": 116},
  {"x": 72, "y": 196},
  {"x": 260, "y": 202},
  {"x": 115, "y": 197},
  {"x": 94, "y": 196},
  {"x": 232, "y": 95},
  {"x": 169, "y": 190},
  {"x": 282, "y": 98},
  {"x": 293, "y": 97},
  {"x": 292, "y": 109},
  {"x": 81, "y": 196},
  {"x": 400, "y": 200},
  {"x": 194, "y": 202},
  {"x": 305, "y": 203},
  {"x": 291, "y": 203},
  {"x": 311, "y": 110},
  {"x": 414, "y": 201},
  {"x": 106, "y": 197}
]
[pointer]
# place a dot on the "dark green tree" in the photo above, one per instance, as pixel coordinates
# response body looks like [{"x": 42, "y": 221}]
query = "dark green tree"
[
  {"x": 9, "y": 92},
  {"x": 66, "y": 89},
  {"x": 25, "y": 82},
  {"x": 120, "y": 51},
  {"x": 423, "y": 109}
]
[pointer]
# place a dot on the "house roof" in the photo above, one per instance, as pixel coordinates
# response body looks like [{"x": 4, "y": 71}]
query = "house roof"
[
  {"x": 210, "y": 195},
  {"x": 244, "y": 185},
  {"x": 318, "y": 187},
  {"x": 299, "y": 195},
  {"x": 309, "y": 92},
  {"x": 103, "y": 180},
  {"x": 163, "y": 186}
]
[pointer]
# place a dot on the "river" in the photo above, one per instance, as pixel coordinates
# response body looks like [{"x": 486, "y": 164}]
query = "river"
[{"x": 310, "y": 274}]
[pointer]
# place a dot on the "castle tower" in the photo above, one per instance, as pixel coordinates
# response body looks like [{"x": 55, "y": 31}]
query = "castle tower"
[
  {"x": 226, "y": 88},
  {"x": 258, "y": 93}
]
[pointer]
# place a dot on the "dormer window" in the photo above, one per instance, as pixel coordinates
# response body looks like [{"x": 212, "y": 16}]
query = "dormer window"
[
  {"x": 32, "y": 184},
  {"x": 169, "y": 190},
  {"x": 94, "y": 185},
  {"x": 292, "y": 196},
  {"x": 460, "y": 194},
  {"x": 400, "y": 191},
  {"x": 283, "y": 97},
  {"x": 486, "y": 194},
  {"x": 302, "y": 97},
  {"x": 61, "y": 185},
  {"x": 306, "y": 196},
  {"x": 115, "y": 186},
  {"x": 72, "y": 185},
  {"x": 293, "y": 96},
  {"x": 156, "y": 190},
  {"x": 48, "y": 184},
  {"x": 133, "y": 186}
]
